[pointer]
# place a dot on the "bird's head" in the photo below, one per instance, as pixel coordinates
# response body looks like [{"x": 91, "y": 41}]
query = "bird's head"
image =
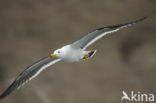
[{"x": 57, "y": 53}]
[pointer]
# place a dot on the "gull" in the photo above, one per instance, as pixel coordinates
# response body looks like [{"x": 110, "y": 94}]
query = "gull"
[{"x": 70, "y": 53}]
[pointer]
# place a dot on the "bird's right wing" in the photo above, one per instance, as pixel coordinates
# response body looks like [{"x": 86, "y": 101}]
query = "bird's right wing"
[
  {"x": 93, "y": 36},
  {"x": 30, "y": 73}
]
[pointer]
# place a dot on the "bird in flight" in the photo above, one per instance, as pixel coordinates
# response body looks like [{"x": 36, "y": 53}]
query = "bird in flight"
[{"x": 71, "y": 53}]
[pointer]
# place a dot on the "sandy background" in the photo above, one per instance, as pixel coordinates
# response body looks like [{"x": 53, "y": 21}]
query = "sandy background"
[{"x": 125, "y": 60}]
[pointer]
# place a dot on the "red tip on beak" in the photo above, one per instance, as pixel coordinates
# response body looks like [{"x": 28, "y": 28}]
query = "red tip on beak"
[{"x": 50, "y": 56}]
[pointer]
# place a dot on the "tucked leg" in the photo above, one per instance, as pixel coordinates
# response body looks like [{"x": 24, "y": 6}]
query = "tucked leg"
[{"x": 86, "y": 57}]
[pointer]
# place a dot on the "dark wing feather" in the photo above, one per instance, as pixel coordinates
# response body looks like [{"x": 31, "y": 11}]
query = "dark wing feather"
[
  {"x": 30, "y": 73},
  {"x": 93, "y": 36}
]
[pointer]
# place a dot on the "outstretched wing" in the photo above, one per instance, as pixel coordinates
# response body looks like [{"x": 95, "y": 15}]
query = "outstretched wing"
[
  {"x": 30, "y": 73},
  {"x": 90, "y": 38}
]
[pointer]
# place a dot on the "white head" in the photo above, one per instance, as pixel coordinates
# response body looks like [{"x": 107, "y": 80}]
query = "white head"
[{"x": 58, "y": 53}]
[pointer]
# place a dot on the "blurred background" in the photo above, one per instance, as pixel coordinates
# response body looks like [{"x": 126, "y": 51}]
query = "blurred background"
[{"x": 125, "y": 60}]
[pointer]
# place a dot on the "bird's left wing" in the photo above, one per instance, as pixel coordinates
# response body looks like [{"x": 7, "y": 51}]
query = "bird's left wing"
[
  {"x": 93, "y": 36},
  {"x": 30, "y": 73}
]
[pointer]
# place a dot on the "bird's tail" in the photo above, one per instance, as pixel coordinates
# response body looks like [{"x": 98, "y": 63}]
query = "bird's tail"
[{"x": 91, "y": 53}]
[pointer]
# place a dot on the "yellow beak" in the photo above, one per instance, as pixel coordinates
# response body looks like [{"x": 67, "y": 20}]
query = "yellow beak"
[{"x": 52, "y": 55}]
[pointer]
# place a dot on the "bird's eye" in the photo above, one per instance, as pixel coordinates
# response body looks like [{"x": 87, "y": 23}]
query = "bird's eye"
[{"x": 59, "y": 52}]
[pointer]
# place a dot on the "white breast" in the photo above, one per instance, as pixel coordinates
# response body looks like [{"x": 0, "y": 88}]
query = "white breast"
[{"x": 72, "y": 54}]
